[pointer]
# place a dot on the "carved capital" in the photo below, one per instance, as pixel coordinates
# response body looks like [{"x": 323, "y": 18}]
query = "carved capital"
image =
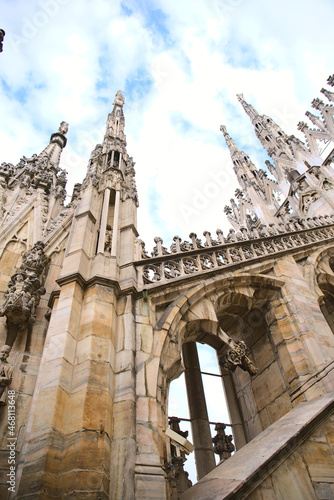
[{"x": 237, "y": 356}]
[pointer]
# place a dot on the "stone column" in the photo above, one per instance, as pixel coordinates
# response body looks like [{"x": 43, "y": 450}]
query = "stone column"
[
  {"x": 115, "y": 225},
  {"x": 234, "y": 411},
  {"x": 104, "y": 220},
  {"x": 204, "y": 454}
]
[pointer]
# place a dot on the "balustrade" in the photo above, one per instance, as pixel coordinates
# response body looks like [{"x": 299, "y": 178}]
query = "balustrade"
[{"x": 190, "y": 258}]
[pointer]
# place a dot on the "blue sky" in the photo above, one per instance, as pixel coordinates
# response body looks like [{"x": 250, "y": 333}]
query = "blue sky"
[{"x": 180, "y": 66}]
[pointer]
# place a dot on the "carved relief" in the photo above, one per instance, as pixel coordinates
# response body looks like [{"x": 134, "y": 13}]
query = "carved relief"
[
  {"x": 24, "y": 289},
  {"x": 129, "y": 185},
  {"x": 307, "y": 201},
  {"x": 237, "y": 356}
]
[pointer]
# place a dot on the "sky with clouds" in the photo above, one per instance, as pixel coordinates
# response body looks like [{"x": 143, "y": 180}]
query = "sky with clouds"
[{"x": 179, "y": 66}]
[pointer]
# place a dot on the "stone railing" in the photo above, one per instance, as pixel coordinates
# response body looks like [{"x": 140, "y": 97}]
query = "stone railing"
[{"x": 167, "y": 267}]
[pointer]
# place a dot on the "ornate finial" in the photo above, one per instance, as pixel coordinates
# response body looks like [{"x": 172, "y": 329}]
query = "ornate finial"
[
  {"x": 315, "y": 120},
  {"x": 328, "y": 94},
  {"x": 317, "y": 103},
  {"x": 302, "y": 126},
  {"x": 63, "y": 128},
  {"x": 330, "y": 80}
]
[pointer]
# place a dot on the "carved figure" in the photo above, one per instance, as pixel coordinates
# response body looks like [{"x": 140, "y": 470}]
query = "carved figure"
[
  {"x": 34, "y": 260},
  {"x": 308, "y": 200},
  {"x": 108, "y": 239},
  {"x": 222, "y": 443},
  {"x": 6, "y": 372},
  {"x": 231, "y": 236},
  {"x": 24, "y": 289},
  {"x": 63, "y": 128}
]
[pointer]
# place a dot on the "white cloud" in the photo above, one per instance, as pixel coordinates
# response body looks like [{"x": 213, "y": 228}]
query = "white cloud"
[{"x": 68, "y": 58}]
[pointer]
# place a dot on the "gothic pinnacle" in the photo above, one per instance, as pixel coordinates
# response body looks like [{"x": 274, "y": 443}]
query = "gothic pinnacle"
[
  {"x": 229, "y": 141},
  {"x": 115, "y": 121},
  {"x": 250, "y": 110},
  {"x": 328, "y": 94},
  {"x": 57, "y": 143}
]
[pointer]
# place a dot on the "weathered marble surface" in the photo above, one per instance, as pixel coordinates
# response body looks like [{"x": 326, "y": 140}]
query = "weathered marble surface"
[{"x": 293, "y": 458}]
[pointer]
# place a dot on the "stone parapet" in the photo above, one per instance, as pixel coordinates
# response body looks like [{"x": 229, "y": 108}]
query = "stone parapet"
[
  {"x": 169, "y": 267},
  {"x": 261, "y": 463}
]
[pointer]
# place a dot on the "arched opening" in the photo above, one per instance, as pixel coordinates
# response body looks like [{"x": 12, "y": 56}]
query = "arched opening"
[
  {"x": 326, "y": 301},
  {"x": 254, "y": 401},
  {"x": 331, "y": 264},
  {"x": 232, "y": 316},
  {"x": 215, "y": 403},
  {"x": 11, "y": 257},
  {"x": 327, "y": 309}
]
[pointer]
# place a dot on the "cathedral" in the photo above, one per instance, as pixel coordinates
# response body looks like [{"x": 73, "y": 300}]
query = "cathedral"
[{"x": 94, "y": 328}]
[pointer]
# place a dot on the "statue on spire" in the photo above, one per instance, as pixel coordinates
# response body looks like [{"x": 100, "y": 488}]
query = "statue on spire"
[
  {"x": 63, "y": 128},
  {"x": 119, "y": 98}
]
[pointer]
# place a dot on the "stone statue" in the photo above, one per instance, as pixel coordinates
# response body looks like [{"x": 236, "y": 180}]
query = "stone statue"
[
  {"x": 222, "y": 443},
  {"x": 24, "y": 290},
  {"x": 108, "y": 239},
  {"x": 63, "y": 128},
  {"x": 6, "y": 372}
]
